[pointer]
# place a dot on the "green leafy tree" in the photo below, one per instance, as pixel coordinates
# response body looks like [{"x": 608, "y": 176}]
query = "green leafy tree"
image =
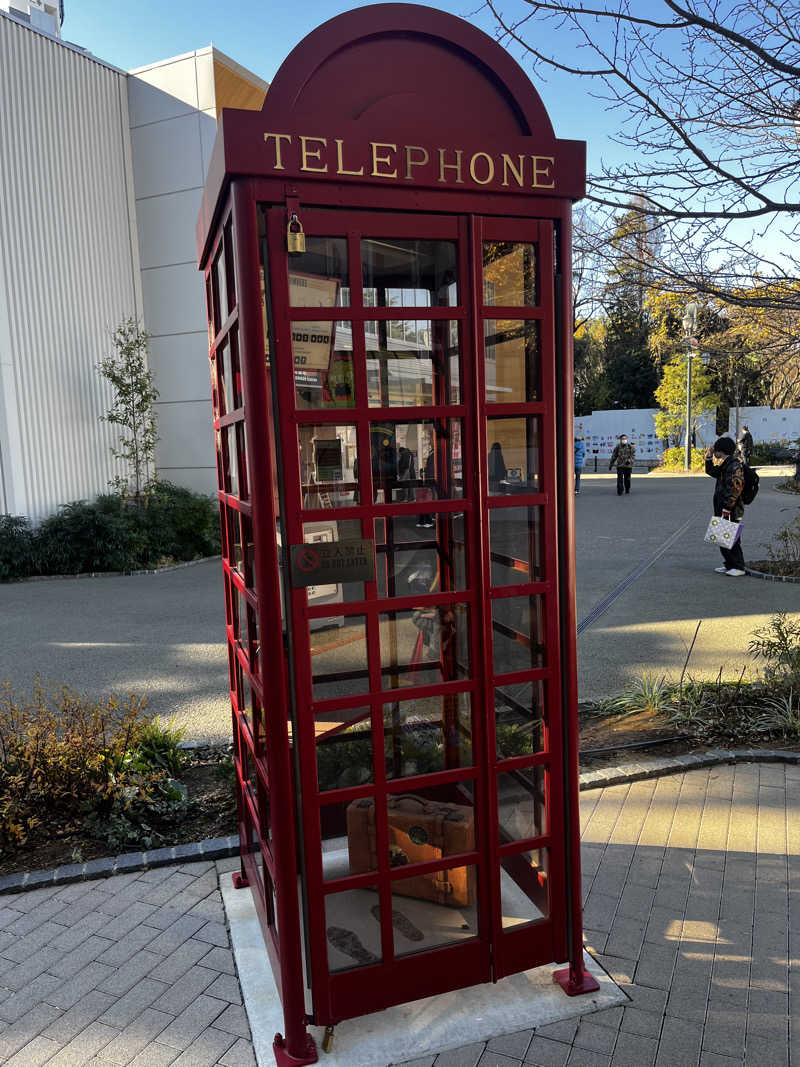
[
  {"x": 132, "y": 411},
  {"x": 671, "y": 397}
]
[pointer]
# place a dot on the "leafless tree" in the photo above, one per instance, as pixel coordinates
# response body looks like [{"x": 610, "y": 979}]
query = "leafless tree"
[{"x": 707, "y": 93}]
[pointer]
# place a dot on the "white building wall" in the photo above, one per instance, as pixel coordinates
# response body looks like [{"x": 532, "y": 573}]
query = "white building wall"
[
  {"x": 173, "y": 125},
  {"x": 779, "y": 426},
  {"x": 69, "y": 265},
  {"x": 601, "y": 429}
]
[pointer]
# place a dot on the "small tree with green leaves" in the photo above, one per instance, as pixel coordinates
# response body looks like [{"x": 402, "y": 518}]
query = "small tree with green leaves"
[
  {"x": 132, "y": 411},
  {"x": 671, "y": 397}
]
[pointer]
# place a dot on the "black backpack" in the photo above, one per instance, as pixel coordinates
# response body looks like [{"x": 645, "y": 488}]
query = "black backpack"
[{"x": 751, "y": 480}]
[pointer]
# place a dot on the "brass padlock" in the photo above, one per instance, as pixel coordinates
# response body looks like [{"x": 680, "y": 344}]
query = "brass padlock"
[{"x": 295, "y": 239}]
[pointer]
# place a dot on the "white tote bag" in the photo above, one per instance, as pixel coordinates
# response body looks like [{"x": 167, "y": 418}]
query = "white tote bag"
[{"x": 722, "y": 532}]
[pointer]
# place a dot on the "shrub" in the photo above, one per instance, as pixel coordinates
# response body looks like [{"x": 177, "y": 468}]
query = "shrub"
[
  {"x": 66, "y": 761},
  {"x": 778, "y": 644},
  {"x": 181, "y": 524},
  {"x": 784, "y": 549},
  {"x": 158, "y": 748},
  {"x": 17, "y": 552},
  {"x": 674, "y": 459},
  {"x": 85, "y": 537}
]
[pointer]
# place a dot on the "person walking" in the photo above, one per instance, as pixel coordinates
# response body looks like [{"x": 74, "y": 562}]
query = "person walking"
[
  {"x": 726, "y": 468},
  {"x": 746, "y": 444},
  {"x": 580, "y": 457},
  {"x": 623, "y": 456}
]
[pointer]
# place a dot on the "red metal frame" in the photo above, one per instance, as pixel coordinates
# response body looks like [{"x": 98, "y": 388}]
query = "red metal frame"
[{"x": 268, "y": 622}]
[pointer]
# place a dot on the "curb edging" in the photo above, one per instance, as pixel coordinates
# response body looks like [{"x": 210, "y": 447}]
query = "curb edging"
[
  {"x": 658, "y": 768},
  {"x": 216, "y": 848}
]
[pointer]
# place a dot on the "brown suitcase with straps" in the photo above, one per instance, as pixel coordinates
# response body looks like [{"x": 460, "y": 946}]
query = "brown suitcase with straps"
[{"x": 419, "y": 831}]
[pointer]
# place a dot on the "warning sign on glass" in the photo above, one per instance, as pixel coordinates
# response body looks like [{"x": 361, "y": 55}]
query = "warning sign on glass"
[
  {"x": 332, "y": 562},
  {"x": 312, "y": 342}
]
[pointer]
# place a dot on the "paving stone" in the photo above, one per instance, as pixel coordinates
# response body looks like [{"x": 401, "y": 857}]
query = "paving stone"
[
  {"x": 241, "y": 1054},
  {"x": 423, "y": 1061},
  {"x": 563, "y": 1030},
  {"x": 611, "y": 1017},
  {"x": 206, "y": 1049},
  {"x": 226, "y": 987},
  {"x": 23, "y": 948},
  {"x": 25, "y": 1029},
  {"x": 35, "y": 1053},
  {"x": 178, "y": 962},
  {"x": 135, "y": 914},
  {"x": 592, "y": 1036},
  {"x": 497, "y": 1059},
  {"x": 645, "y": 1023},
  {"x": 15, "y": 1006},
  {"x": 84, "y": 1046},
  {"x": 234, "y": 1021},
  {"x": 633, "y": 1050},
  {"x": 126, "y": 1008},
  {"x": 466, "y": 1056},
  {"x": 679, "y": 1043},
  {"x": 127, "y": 947},
  {"x": 218, "y": 959},
  {"x": 70, "y": 990},
  {"x": 191, "y": 1022},
  {"x": 214, "y": 934},
  {"x": 175, "y": 935},
  {"x": 155, "y": 1055},
  {"x": 69, "y": 965},
  {"x": 179, "y": 994},
  {"x": 584, "y": 1057},
  {"x": 136, "y": 1036},
  {"x": 511, "y": 1044},
  {"x": 200, "y": 867},
  {"x": 77, "y": 1018},
  {"x": 132, "y": 971},
  {"x": 545, "y": 1052}
]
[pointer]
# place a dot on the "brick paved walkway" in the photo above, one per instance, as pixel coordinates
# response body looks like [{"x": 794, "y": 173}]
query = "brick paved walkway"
[
  {"x": 135, "y": 969},
  {"x": 691, "y": 888}
]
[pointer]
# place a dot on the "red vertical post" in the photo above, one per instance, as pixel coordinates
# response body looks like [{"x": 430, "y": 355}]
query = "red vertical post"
[
  {"x": 297, "y": 1046},
  {"x": 573, "y": 979}
]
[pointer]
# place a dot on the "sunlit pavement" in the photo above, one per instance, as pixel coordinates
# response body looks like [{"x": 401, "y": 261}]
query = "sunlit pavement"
[{"x": 651, "y": 626}]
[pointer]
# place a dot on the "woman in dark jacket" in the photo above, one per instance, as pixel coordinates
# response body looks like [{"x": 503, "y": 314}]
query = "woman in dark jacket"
[{"x": 726, "y": 468}]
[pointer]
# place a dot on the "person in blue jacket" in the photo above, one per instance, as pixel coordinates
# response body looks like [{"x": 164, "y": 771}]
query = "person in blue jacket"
[{"x": 580, "y": 456}]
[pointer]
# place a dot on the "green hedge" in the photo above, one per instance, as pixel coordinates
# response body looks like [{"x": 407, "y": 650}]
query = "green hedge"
[{"x": 110, "y": 535}]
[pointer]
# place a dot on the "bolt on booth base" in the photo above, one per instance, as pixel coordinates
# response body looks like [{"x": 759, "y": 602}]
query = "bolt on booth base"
[{"x": 386, "y": 248}]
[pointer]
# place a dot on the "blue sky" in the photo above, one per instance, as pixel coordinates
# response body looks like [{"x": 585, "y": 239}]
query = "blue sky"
[{"x": 259, "y": 35}]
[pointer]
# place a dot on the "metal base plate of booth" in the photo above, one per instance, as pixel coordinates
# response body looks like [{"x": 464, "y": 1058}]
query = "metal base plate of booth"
[{"x": 454, "y": 1019}]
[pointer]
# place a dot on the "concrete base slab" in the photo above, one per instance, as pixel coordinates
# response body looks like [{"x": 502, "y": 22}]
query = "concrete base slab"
[{"x": 407, "y": 1031}]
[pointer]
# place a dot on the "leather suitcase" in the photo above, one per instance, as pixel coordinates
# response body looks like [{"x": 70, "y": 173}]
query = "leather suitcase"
[{"x": 419, "y": 831}]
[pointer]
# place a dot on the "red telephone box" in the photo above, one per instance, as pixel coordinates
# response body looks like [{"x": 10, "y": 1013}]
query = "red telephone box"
[{"x": 386, "y": 248}]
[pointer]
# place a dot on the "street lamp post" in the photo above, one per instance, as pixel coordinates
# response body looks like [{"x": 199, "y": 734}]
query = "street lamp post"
[{"x": 689, "y": 322}]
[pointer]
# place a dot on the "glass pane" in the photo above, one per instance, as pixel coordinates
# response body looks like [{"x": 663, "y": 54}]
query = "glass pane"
[
  {"x": 414, "y": 558},
  {"x": 327, "y": 530},
  {"x": 221, "y": 288},
  {"x": 519, "y": 712},
  {"x": 403, "y": 273},
  {"x": 226, "y": 385},
  {"x": 521, "y": 808},
  {"x": 430, "y": 454},
  {"x": 523, "y": 887},
  {"x": 344, "y": 748},
  {"x": 235, "y": 557},
  {"x": 241, "y": 616},
  {"x": 338, "y": 657},
  {"x": 328, "y": 466},
  {"x": 230, "y": 274},
  {"x": 323, "y": 365},
  {"x": 412, "y": 363},
  {"x": 518, "y": 634},
  {"x": 435, "y": 910},
  {"x": 511, "y": 358},
  {"x": 427, "y": 735},
  {"x": 515, "y": 545},
  {"x": 513, "y": 455},
  {"x": 431, "y": 824},
  {"x": 244, "y": 472},
  {"x": 249, "y": 549},
  {"x": 509, "y": 274},
  {"x": 353, "y": 929},
  {"x": 318, "y": 276},
  {"x": 231, "y": 460},
  {"x": 236, "y": 373},
  {"x": 424, "y": 646},
  {"x": 348, "y": 838}
]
